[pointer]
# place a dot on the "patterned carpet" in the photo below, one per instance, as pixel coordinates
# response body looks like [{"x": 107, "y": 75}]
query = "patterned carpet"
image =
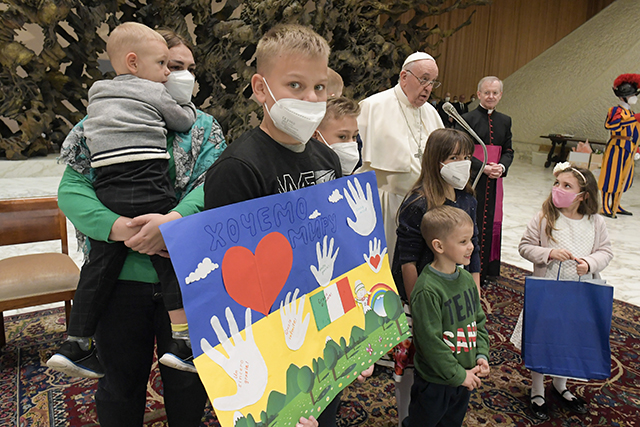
[{"x": 33, "y": 396}]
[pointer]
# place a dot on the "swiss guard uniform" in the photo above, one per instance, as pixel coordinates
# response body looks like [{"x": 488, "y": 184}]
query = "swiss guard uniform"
[{"x": 616, "y": 175}]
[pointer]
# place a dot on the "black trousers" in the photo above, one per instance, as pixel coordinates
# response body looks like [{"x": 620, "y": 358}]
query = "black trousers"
[
  {"x": 328, "y": 417},
  {"x": 135, "y": 318},
  {"x": 437, "y": 404},
  {"x": 128, "y": 189}
]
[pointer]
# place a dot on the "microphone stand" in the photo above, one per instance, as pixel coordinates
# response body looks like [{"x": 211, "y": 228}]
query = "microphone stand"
[{"x": 451, "y": 111}]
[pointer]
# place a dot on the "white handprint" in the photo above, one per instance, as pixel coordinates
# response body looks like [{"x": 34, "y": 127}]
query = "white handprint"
[
  {"x": 362, "y": 207},
  {"x": 374, "y": 252},
  {"x": 324, "y": 272},
  {"x": 245, "y": 364},
  {"x": 294, "y": 328}
]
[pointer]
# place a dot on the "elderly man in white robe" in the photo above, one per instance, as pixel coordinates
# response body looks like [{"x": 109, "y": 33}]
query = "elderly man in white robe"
[{"x": 394, "y": 126}]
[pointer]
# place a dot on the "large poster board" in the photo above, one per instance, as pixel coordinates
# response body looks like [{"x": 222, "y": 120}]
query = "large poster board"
[{"x": 288, "y": 297}]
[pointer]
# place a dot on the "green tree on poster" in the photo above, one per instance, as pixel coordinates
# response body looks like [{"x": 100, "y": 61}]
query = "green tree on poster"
[
  {"x": 331, "y": 356},
  {"x": 306, "y": 381},
  {"x": 393, "y": 308},
  {"x": 293, "y": 389},
  {"x": 275, "y": 403},
  {"x": 345, "y": 348}
]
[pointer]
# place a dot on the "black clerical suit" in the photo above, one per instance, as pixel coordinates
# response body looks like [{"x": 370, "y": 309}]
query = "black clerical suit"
[{"x": 493, "y": 129}]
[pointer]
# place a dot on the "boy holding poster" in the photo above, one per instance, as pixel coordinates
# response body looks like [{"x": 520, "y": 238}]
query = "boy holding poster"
[
  {"x": 452, "y": 344},
  {"x": 279, "y": 155}
]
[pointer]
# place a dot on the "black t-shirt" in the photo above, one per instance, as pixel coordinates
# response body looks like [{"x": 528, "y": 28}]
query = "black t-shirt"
[{"x": 256, "y": 165}]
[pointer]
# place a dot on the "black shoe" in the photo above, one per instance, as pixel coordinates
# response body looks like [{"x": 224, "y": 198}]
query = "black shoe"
[
  {"x": 76, "y": 362},
  {"x": 608, "y": 215},
  {"x": 624, "y": 213},
  {"x": 179, "y": 356},
  {"x": 541, "y": 412},
  {"x": 577, "y": 405}
]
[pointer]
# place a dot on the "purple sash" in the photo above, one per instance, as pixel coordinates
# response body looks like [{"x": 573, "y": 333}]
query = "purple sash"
[{"x": 494, "y": 152}]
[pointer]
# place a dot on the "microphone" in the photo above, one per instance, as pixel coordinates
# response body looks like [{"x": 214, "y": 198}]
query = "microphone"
[{"x": 451, "y": 111}]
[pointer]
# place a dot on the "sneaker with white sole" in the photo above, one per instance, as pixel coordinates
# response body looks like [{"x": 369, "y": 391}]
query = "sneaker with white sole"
[
  {"x": 179, "y": 356},
  {"x": 76, "y": 362}
]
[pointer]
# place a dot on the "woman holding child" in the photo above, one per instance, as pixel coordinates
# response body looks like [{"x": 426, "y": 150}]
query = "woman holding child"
[{"x": 135, "y": 318}]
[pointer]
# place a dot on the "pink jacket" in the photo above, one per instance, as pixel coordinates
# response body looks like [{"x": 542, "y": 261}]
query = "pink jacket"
[{"x": 534, "y": 246}]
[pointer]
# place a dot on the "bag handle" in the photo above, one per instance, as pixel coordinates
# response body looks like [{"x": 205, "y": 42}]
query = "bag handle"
[{"x": 560, "y": 266}]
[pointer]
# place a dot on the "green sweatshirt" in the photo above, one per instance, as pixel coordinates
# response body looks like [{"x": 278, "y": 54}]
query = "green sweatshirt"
[
  {"x": 78, "y": 201},
  {"x": 448, "y": 326}
]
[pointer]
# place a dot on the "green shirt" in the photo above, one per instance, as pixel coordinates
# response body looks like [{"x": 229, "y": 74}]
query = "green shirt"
[
  {"x": 448, "y": 326},
  {"x": 78, "y": 201}
]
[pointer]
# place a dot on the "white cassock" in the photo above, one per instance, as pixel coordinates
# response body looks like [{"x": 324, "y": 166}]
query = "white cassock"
[{"x": 394, "y": 134}]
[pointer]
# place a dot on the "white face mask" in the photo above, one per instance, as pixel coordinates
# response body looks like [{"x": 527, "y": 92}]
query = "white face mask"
[
  {"x": 295, "y": 117},
  {"x": 456, "y": 174},
  {"x": 347, "y": 152},
  {"x": 632, "y": 100},
  {"x": 446, "y": 98},
  {"x": 180, "y": 86}
]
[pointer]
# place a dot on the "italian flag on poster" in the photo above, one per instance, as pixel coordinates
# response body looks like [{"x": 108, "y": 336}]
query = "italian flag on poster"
[{"x": 332, "y": 302}]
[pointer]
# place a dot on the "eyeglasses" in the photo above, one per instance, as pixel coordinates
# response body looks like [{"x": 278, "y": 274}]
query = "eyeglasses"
[{"x": 436, "y": 84}]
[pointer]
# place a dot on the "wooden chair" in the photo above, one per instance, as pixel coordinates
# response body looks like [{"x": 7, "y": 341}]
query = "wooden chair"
[{"x": 35, "y": 279}]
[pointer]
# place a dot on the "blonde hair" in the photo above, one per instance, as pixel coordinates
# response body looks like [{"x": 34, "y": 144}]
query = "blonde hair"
[
  {"x": 439, "y": 222},
  {"x": 340, "y": 107},
  {"x": 334, "y": 84},
  {"x": 129, "y": 37},
  {"x": 292, "y": 39}
]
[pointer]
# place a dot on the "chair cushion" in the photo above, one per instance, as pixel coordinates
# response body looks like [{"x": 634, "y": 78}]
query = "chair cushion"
[{"x": 37, "y": 274}]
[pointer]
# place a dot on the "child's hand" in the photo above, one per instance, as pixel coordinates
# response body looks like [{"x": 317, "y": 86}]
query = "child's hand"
[
  {"x": 583, "y": 267},
  {"x": 472, "y": 381},
  {"x": 483, "y": 372},
  {"x": 560, "y": 255},
  {"x": 311, "y": 422},
  {"x": 120, "y": 231},
  {"x": 366, "y": 373},
  {"x": 149, "y": 241}
]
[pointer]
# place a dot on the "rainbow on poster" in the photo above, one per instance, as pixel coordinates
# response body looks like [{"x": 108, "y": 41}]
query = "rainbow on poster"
[{"x": 376, "y": 296}]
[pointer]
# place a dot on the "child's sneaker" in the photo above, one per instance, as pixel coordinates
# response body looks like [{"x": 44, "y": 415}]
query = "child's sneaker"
[
  {"x": 76, "y": 362},
  {"x": 179, "y": 356}
]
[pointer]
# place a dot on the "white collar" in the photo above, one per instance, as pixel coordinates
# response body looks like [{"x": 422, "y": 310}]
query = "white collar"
[
  {"x": 488, "y": 111},
  {"x": 625, "y": 105},
  {"x": 402, "y": 97}
]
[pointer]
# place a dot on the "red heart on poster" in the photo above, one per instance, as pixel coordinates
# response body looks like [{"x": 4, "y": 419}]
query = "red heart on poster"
[
  {"x": 255, "y": 281},
  {"x": 375, "y": 261}
]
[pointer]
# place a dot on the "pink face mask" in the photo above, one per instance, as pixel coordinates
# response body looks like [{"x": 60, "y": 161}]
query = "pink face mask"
[{"x": 562, "y": 198}]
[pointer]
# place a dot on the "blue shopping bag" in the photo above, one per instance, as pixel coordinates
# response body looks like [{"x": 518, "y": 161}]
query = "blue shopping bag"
[{"x": 566, "y": 327}]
